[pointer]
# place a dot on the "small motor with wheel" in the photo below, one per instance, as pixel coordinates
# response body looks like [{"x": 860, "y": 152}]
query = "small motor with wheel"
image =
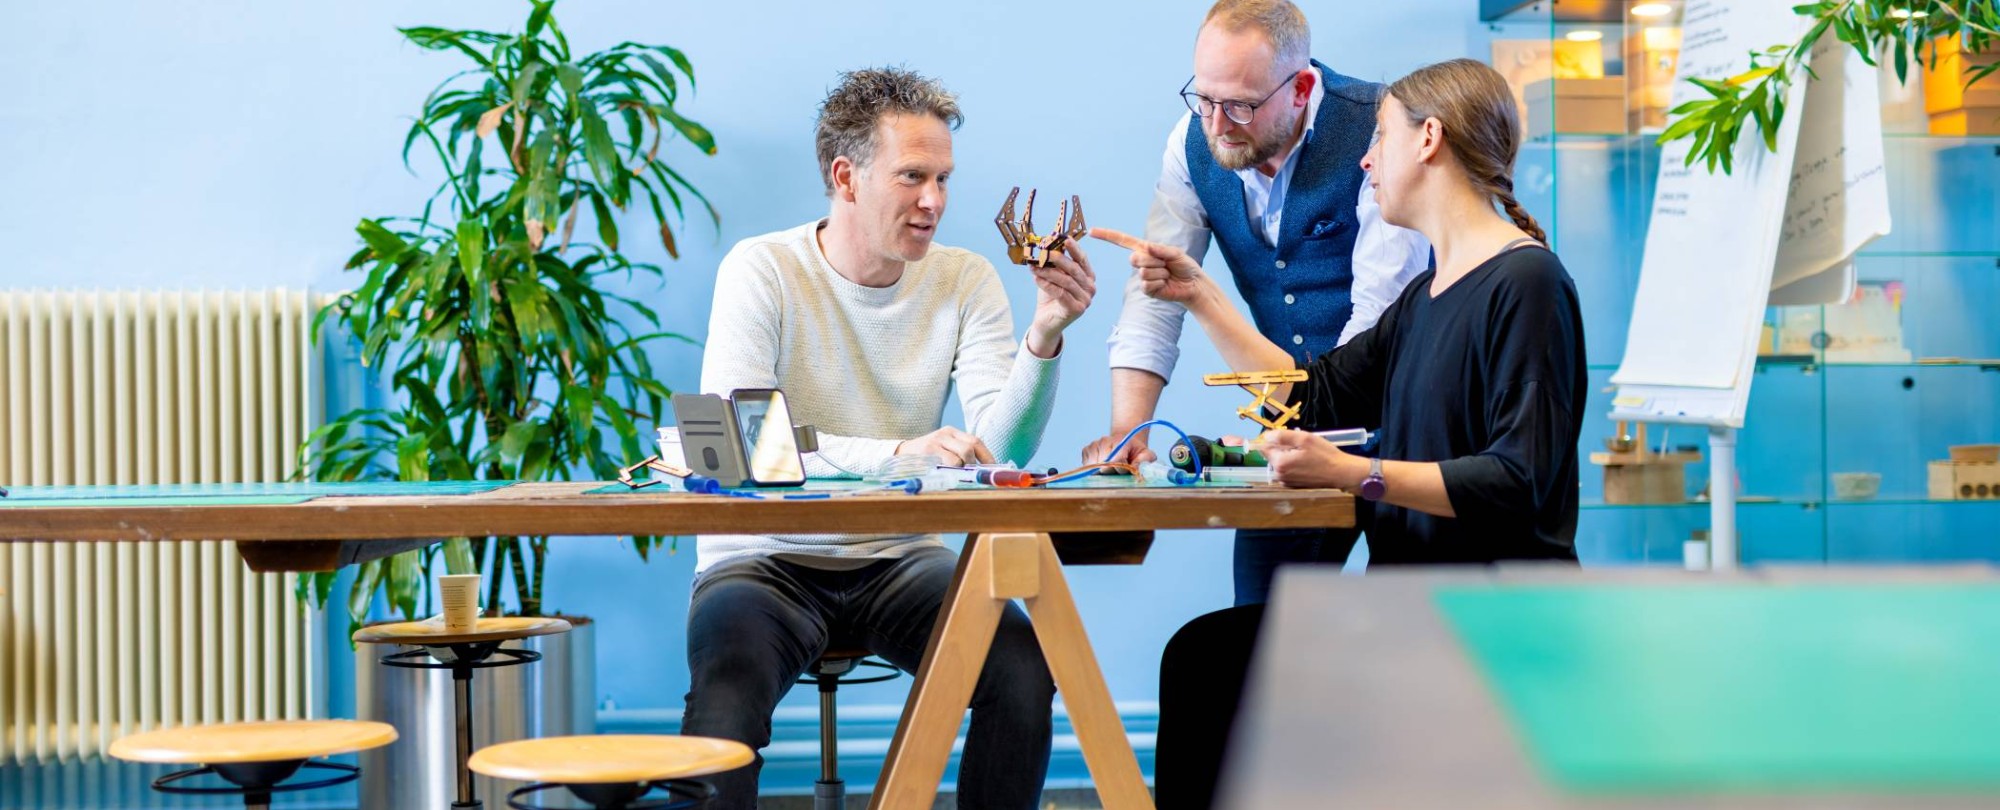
[{"x": 1212, "y": 454}]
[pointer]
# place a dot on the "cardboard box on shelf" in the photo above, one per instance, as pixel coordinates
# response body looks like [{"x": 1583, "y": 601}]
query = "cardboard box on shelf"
[
  {"x": 1662, "y": 479},
  {"x": 1576, "y": 106},
  {"x": 1964, "y": 481},
  {"x": 1954, "y": 108},
  {"x": 1867, "y": 328},
  {"x": 1651, "y": 55},
  {"x": 1944, "y": 79},
  {"x": 1523, "y": 62},
  {"x": 1969, "y": 121},
  {"x": 1976, "y": 453},
  {"x": 1634, "y": 472}
]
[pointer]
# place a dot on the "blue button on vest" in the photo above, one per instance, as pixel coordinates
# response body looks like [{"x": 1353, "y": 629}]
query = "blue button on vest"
[{"x": 1316, "y": 232}]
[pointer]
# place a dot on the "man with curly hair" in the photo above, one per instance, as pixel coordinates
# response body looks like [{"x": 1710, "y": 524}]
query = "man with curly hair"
[{"x": 868, "y": 326}]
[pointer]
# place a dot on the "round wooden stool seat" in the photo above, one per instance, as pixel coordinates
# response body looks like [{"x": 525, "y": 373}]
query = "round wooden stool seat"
[
  {"x": 272, "y": 741},
  {"x": 484, "y": 629},
  {"x": 610, "y": 758}
]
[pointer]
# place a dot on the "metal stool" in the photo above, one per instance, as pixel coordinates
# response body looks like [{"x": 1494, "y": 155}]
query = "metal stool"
[
  {"x": 830, "y": 793},
  {"x": 254, "y": 758},
  {"x": 614, "y": 771},
  {"x": 461, "y": 652}
]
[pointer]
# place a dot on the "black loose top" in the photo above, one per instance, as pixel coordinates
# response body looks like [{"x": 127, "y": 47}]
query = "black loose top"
[{"x": 1488, "y": 380}]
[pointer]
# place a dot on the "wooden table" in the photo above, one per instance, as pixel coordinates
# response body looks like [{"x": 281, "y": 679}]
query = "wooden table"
[
  {"x": 1378, "y": 691},
  {"x": 1010, "y": 553}
]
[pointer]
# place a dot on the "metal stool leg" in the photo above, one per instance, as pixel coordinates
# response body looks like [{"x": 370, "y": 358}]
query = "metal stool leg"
[
  {"x": 461, "y": 681},
  {"x": 829, "y": 793},
  {"x": 462, "y": 659}
]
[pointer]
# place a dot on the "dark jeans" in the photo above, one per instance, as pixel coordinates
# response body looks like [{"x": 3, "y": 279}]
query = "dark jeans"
[
  {"x": 1259, "y": 552},
  {"x": 1202, "y": 674},
  {"x": 757, "y": 622}
]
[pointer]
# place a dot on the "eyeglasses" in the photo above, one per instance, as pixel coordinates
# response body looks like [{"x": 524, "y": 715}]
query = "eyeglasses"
[{"x": 1238, "y": 111}]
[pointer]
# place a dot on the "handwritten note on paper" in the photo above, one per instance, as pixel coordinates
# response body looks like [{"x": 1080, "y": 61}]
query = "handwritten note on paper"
[
  {"x": 1783, "y": 229},
  {"x": 1713, "y": 242},
  {"x": 1838, "y": 199}
]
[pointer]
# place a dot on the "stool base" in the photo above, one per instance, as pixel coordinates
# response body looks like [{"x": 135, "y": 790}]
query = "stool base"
[
  {"x": 255, "y": 781},
  {"x": 681, "y": 794},
  {"x": 462, "y": 659},
  {"x": 830, "y": 795}
]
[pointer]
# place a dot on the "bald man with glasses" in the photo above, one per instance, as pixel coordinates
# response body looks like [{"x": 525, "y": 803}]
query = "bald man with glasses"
[{"x": 1267, "y": 164}]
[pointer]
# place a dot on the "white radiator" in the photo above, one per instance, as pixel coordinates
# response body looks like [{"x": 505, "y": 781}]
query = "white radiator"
[{"x": 99, "y": 640}]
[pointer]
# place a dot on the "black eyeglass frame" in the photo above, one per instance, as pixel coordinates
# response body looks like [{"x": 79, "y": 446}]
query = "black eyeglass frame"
[{"x": 1194, "y": 101}]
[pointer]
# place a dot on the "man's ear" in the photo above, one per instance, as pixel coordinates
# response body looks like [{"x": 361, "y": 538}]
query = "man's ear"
[
  {"x": 1433, "y": 140},
  {"x": 1304, "y": 84},
  {"x": 844, "y": 174}
]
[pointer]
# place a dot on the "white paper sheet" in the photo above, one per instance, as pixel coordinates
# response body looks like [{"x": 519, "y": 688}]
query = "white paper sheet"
[{"x": 1781, "y": 230}]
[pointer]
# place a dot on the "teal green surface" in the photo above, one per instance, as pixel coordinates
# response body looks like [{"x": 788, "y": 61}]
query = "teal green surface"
[
  {"x": 1763, "y": 689},
  {"x": 234, "y": 493},
  {"x": 234, "y": 500}
]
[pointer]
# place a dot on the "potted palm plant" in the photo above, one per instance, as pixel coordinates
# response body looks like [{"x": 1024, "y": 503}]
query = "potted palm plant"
[{"x": 507, "y": 357}]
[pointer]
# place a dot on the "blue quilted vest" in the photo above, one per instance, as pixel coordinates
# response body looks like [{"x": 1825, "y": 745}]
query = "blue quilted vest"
[{"x": 1301, "y": 291}]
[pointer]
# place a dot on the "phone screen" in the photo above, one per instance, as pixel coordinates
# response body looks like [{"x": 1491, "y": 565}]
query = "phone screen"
[{"x": 766, "y": 426}]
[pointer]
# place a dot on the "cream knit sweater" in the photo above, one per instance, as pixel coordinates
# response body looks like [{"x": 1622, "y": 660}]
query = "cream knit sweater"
[{"x": 869, "y": 367}]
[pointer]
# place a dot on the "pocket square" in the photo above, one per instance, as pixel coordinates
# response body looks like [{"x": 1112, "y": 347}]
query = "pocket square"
[{"x": 1323, "y": 228}]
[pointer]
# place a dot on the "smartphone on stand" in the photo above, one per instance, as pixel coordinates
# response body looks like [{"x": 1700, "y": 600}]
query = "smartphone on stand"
[{"x": 770, "y": 445}]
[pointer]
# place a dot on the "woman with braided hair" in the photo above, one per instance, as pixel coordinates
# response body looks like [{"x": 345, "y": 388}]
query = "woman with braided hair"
[{"x": 1474, "y": 380}]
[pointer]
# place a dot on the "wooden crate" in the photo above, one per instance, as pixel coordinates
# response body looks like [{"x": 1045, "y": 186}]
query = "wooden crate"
[{"x": 1644, "y": 477}]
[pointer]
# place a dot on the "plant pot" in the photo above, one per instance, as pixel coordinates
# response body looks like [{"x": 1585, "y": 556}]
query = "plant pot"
[{"x": 546, "y": 698}]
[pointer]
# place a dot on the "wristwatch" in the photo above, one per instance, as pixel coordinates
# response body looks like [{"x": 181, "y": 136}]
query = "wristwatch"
[{"x": 1373, "y": 487}]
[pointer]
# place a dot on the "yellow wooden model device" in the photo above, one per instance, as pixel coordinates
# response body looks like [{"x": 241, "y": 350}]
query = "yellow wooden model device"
[{"x": 1261, "y": 383}]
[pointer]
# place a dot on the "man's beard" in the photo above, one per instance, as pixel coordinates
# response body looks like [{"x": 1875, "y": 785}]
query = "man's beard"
[{"x": 1264, "y": 148}]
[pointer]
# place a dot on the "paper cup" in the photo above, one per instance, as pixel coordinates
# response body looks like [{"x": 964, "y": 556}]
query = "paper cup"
[{"x": 460, "y": 595}]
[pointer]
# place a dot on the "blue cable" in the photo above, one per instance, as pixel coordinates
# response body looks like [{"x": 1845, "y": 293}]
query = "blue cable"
[{"x": 1168, "y": 425}]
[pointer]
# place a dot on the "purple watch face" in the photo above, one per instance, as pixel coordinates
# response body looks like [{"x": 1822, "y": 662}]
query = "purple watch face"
[{"x": 1373, "y": 487}]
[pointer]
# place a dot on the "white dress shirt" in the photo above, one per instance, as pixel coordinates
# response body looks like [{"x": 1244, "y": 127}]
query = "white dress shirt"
[{"x": 1386, "y": 257}]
